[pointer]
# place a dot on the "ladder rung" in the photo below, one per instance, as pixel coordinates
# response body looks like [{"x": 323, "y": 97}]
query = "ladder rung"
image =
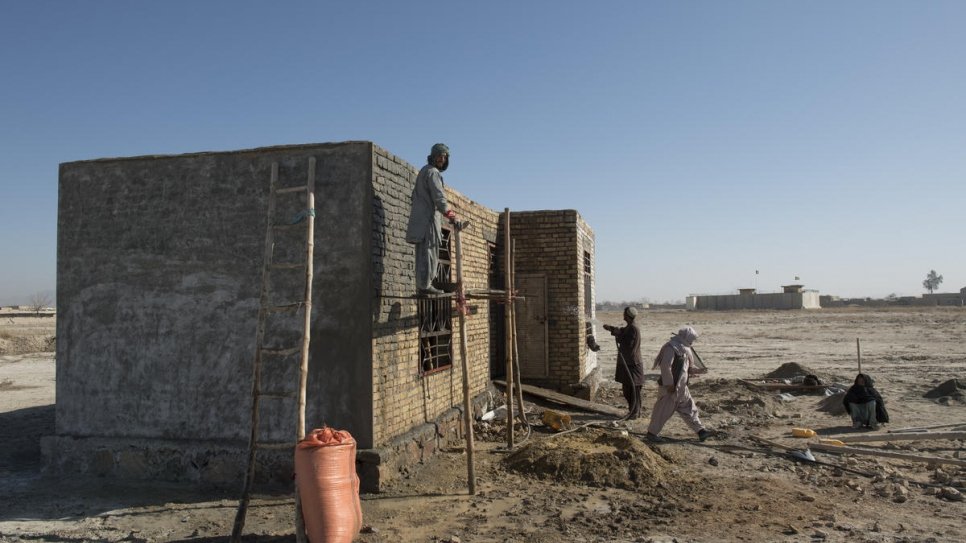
[
  {"x": 285, "y": 190},
  {"x": 282, "y": 352},
  {"x": 276, "y": 395},
  {"x": 288, "y": 266},
  {"x": 284, "y": 308},
  {"x": 264, "y": 445}
]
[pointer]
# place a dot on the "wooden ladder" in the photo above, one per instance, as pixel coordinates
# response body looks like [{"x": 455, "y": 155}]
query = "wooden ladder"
[{"x": 267, "y": 307}]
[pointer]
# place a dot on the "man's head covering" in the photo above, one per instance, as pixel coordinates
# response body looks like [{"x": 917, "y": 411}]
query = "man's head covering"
[
  {"x": 686, "y": 335},
  {"x": 437, "y": 150},
  {"x": 630, "y": 312}
]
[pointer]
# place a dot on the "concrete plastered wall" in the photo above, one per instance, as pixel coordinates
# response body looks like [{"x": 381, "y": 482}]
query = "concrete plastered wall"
[{"x": 159, "y": 270}]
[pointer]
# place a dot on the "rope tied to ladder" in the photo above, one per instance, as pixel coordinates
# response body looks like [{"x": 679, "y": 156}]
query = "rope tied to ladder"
[{"x": 302, "y": 215}]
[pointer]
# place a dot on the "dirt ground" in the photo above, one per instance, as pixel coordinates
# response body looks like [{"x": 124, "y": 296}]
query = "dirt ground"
[{"x": 600, "y": 482}]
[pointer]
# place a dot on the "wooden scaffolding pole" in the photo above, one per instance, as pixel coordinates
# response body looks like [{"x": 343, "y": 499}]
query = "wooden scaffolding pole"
[
  {"x": 306, "y": 333},
  {"x": 508, "y": 326},
  {"x": 516, "y": 351},
  {"x": 467, "y": 407}
]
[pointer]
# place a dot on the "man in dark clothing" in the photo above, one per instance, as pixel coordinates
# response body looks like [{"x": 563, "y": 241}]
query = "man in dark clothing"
[
  {"x": 630, "y": 369},
  {"x": 864, "y": 403}
]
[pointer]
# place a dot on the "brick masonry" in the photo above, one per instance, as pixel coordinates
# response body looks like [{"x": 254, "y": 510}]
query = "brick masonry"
[
  {"x": 159, "y": 266},
  {"x": 553, "y": 243}
]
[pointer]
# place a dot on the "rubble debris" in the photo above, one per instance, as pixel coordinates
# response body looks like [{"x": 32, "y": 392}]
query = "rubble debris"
[
  {"x": 789, "y": 370},
  {"x": 952, "y": 389}
]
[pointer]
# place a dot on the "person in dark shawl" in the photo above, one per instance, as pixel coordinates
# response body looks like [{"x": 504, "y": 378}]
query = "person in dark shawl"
[
  {"x": 630, "y": 368},
  {"x": 864, "y": 403}
]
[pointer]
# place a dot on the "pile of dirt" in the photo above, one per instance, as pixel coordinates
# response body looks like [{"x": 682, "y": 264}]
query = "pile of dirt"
[
  {"x": 11, "y": 345},
  {"x": 953, "y": 388},
  {"x": 789, "y": 370},
  {"x": 832, "y": 404},
  {"x": 593, "y": 458}
]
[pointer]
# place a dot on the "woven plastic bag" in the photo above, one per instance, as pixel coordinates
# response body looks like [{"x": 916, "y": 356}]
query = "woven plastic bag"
[{"x": 325, "y": 472}]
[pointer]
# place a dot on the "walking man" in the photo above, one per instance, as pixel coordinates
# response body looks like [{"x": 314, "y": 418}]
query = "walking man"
[
  {"x": 425, "y": 227},
  {"x": 676, "y": 360},
  {"x": 630, "y": 368}
]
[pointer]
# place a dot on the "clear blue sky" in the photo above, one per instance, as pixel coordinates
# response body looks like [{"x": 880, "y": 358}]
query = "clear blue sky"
[{"x": 701, "y": 140}]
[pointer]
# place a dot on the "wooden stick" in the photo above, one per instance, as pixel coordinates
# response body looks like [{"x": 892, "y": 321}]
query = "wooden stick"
[
  {"x": 564, "y": 399},
  {"x": 306, "y": 333},
  {"x": 913, "y": 436},
  {"x": 467, "y": 408},
  {"x": 508, "y": 326},
  {"x": 887, "y": 454},
  {"x": 516, "y": 349},
  {"x": 924, "y": 428},
  {"x": 858, "y": 353}
]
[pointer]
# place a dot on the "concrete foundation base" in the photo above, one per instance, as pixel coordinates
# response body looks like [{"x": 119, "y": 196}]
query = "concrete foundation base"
[
  {"x": 223, "y": 464},
  {"x": 383, "y": 464}
]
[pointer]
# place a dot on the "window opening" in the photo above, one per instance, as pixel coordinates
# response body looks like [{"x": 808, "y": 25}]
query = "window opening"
[{"x": 436, "y": 316}]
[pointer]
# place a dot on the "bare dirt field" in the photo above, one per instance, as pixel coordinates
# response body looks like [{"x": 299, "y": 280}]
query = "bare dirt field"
[{"x": 601, "y": 482}]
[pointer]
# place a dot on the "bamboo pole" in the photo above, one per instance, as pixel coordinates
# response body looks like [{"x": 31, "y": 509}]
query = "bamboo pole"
[
  {"x": 516, "y": 350},
  {"x": 911, "y": 436},
  {"x": 954, "y": 425},
  {"x": 508, "y": 326},
  {"x": 467, "y": 408},
  {"x": 858, "y": 353},
  {"x": 887, "y": 454},
  {"x": 306, "y": 332}
]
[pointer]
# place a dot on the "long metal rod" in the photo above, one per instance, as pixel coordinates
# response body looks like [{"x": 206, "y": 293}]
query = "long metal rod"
[
  {"x": 257, "y": 362},
  {"x": 508, "y": 327},
  {"x": 467, "y": 407}
]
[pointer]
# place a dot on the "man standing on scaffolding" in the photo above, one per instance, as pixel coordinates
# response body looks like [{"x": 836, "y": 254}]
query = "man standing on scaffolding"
[
  {"x": 630, "y": 369},
  {"x": 425, "y": 227}
]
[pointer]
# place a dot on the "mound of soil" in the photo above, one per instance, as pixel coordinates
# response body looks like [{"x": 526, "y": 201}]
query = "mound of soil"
[
  {"x": 592, "y": 458},
  {"x": 832, "y": 404},
  {"x": 12, "y": 345},
  {"x": 953, "y": 388},
  {"x": 789, "y": 370}
]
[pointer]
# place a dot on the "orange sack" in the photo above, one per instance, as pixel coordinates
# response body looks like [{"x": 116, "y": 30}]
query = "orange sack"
[{"x": 325, "y": 473}]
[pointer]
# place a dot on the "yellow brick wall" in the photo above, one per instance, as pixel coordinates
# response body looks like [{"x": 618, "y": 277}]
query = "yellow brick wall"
[{"x": 402, "y": 396}]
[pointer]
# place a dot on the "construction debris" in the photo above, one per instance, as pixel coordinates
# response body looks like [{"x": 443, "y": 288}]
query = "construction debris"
[
  {"x": 568, "y": 400},
  {"x": 888, "y": 454},
  {"x": 912, "y": 436},
  {"x": 953, "y": 388}
]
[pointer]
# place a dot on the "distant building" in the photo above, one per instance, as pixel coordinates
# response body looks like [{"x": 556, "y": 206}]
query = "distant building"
[
  {"x": 792, "y": 297},
  {"x": 946, "y": 298}
]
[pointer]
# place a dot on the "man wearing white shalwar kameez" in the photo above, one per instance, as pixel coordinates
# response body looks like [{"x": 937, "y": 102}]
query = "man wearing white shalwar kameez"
[{"x": 676, "y": 360}]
